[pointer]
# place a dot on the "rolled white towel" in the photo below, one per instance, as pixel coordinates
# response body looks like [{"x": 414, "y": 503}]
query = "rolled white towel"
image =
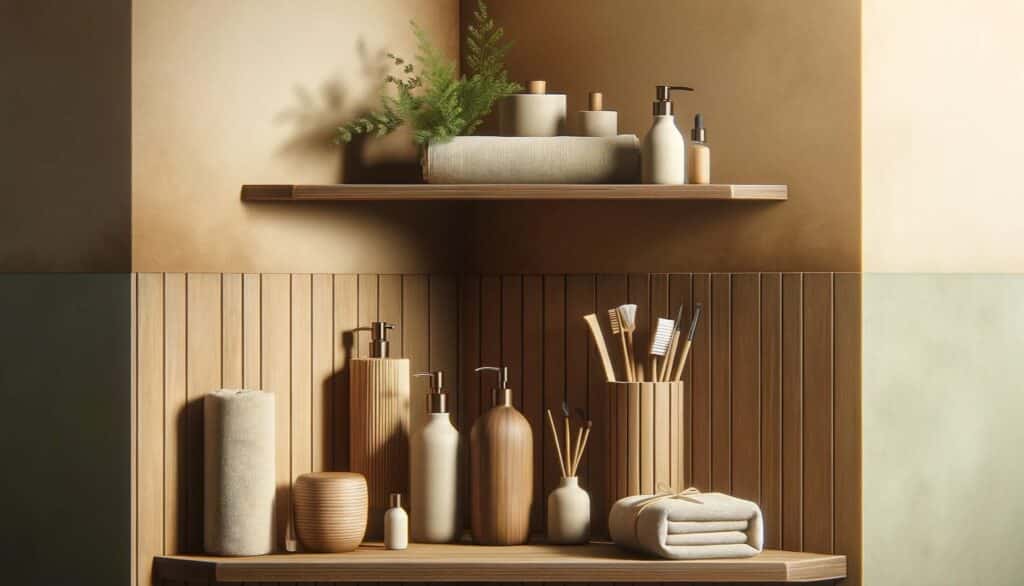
[
  {"x": 239, "y": 483},
  {"x": 642, "y": 523},
  {"x": 556, "y": 159}
]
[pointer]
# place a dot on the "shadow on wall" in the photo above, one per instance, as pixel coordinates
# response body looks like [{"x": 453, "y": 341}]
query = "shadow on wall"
[{"x": 317, "y": 113}]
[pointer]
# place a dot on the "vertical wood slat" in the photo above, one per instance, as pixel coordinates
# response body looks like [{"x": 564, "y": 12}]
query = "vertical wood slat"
[
  {"x": 232, "y": 342},
  {"x": 301, "y": 379},
  {"x": 554, "y": 375},
  {"x": 700, "y": 385},
  {"x": 818, "y": 413},
  {"x": 579, "y": 302},
  {"x": 133, "y": 469},
  {"x": 610, "y": 292},
  {"x": 720, "y": 316},
  {"x": 771, "y": 408},
  {"x": 847, "y": 421},
  {"x": 533, "y": 385},
  {"x": 322, "y": 367},
  {"x": 251, "y": 332},
  {"x": 276, "y": 375},
  {"x": 343, "y": 340},
  {"x": 175, "y": 404},
  {"x": 511, "y": 343},
  {"x": 203, "y": 345},
  {"x": 469, "y": 382},
  {"x": 680, "y": 294},
  {"x": 150, "y": 423},
  {"x": 745, "y": 400},
  {"x": 415, "y": 303},
  {"x": 792, "y": 411}
]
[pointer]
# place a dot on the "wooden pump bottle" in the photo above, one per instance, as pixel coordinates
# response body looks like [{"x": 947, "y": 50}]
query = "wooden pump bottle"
[
  {"x": 379, "y": 425},
  {"x": 501, "y": 470}
]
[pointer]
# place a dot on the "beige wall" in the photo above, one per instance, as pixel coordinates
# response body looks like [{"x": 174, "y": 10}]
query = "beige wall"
[
  {"x": 942, "y": 94},
  {"x": 943, "y": 85},
  {"x": 778, "y": 82},
  {"x": 65, "y": 136},
  {"x": 228, "y": 93}
]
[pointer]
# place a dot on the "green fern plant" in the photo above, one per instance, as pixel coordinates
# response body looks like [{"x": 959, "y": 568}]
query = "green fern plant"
[{"x": 433, "y": 101}]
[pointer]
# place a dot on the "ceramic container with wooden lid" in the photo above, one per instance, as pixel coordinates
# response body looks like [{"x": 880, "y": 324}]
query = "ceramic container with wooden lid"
[{"x": 330, "y": 511}]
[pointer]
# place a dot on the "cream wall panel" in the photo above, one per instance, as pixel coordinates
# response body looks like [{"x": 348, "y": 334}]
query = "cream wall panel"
[{"x": 942, "y": 136}]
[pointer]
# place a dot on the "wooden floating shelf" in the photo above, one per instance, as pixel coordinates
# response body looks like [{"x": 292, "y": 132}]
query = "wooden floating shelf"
[
  {"x": 429, "y": 192},
  {"x": 596, "y": 562}
]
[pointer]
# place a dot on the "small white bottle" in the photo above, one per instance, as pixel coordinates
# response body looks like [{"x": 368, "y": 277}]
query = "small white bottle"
[
  {"x": 699, "y": 164},
  {"x": 663, "y": 152},
  {"x": 396, "y": 524},
  {"x": 434, "y": 470}
]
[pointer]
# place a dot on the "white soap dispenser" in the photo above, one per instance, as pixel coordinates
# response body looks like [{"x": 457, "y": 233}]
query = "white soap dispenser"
[
  {"x": 664, "y": 149},
  {"x": 434, "y": 470}
]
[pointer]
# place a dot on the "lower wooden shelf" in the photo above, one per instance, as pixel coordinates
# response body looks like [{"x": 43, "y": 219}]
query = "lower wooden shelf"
[{"x": 596, "y": 562}]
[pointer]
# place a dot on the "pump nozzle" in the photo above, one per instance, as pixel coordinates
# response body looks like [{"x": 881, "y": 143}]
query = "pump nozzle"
[
  {"x": 663, "y": 98},
  {"x": 437, "y": 400},
  {"x": 502, "y": 387},
  {"x": 379, "y": 344}
]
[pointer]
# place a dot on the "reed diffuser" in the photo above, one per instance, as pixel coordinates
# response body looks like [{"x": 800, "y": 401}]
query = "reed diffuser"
[{"x": 569, "y": 504}]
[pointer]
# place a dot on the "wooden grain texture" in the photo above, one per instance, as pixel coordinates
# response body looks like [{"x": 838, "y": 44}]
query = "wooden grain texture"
[
  {"x": 596, "y": 562},
  {"x": 501, "y": 477},
  {"x": 377, "y": 192},
  {"x": 771, "y": 408},
  {"x": 133, "y": 406},
  {"x": 784, "y": 346},
  {"x": 792, "y": 411},
  {"x": 176, "y": 519},
  {"x": 818, "y": 413},
  {"x": 847, "y": 421}
]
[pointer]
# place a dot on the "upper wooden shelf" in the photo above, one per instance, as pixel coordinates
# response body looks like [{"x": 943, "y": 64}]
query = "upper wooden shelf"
[
  {"x": 596, "y": 562},
  {"x": 369, "y": 192}
]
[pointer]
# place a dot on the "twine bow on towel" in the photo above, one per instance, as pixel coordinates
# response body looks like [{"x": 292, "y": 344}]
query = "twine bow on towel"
[{"x": 666, "y": 492}]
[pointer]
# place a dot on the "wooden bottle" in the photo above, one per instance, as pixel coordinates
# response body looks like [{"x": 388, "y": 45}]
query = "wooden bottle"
[
  {"x": 379, "y": 426},
  {"x": 501, "y": 470}
]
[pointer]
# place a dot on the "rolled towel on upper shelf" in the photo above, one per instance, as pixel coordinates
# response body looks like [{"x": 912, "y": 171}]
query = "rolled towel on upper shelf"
[
  {"x": 557, "y": 159},
  {"x": 687, "y": 526}
]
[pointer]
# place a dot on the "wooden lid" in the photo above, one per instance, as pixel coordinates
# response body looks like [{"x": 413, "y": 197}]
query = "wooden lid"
[
  {"x": 596, "y": 101},
  {"x": 537, "y": 87}
]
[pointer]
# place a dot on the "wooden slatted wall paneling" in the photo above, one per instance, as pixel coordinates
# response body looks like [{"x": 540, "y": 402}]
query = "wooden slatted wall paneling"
[{"x": 771, "y": 405}]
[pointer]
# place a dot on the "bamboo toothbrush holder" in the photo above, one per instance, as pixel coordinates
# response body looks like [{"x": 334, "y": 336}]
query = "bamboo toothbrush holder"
[{"x": 645, "y": 438}]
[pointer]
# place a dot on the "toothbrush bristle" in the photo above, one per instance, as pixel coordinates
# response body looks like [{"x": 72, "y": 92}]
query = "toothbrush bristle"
[
  {"x": 628, "y": 316},
  {"x": 662, "y": 337},
  {"x": 613, "y": 317}
]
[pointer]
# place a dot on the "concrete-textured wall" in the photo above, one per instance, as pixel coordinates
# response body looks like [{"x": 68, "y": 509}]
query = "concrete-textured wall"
[{"x": 943, "y": 396}]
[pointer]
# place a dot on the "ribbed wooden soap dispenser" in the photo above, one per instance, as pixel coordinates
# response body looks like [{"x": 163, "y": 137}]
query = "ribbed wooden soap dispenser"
[
  {"x": 379, "y": 425},
  {"x": 501, "y": 470}
]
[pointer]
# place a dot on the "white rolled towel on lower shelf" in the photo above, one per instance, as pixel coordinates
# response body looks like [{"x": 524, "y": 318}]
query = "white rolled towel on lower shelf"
[
  {"x": 556, "y": 159},
  {"x": 239, "y": 472},
  {"x": 688, "y": 526}
]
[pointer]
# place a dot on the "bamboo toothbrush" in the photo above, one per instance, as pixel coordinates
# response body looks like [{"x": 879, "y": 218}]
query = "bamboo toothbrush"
[
  {"x": 602, "y": 349},
  {"x": 678, "y": 374},
  {"x": 558, "y": 448},
  {"x": 627, "y": 320},
  {"x": 666, "y": 369},
  {"x": 659, "y": 344},
  {"x": 616, "y": 323}
]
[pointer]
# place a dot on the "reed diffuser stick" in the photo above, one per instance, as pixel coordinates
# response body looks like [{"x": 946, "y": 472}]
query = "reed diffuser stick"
[
  {"x": 558, "y": 448},
  {"x": 582, "y": 446},
  {"x": 576, "y": 452}
]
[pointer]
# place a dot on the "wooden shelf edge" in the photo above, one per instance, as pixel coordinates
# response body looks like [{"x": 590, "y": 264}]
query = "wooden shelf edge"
[
  {"x": 597, "y": 562},
  {"x": 430, "y": 192}
]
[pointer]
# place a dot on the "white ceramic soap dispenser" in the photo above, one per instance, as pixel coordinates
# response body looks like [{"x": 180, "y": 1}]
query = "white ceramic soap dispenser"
[
  {"x": 434, "y": 451},
  {"x": 664, "y": 149}
]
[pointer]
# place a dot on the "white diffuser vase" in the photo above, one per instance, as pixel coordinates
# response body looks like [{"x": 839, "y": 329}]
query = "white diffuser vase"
[{"x": 569, "y": 513}]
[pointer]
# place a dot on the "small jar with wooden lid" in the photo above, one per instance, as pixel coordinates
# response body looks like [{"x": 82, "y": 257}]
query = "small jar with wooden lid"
[{"x": 330, "y": 511}]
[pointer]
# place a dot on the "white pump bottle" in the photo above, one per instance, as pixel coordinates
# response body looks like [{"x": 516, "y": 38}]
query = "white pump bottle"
[
  {"x": 663, "y": 151},
  {"x": 434, "y": 458}
]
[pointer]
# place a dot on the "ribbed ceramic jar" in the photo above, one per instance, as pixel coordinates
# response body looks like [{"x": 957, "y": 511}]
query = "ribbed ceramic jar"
[
  {"x": 330, "y": 511},
  {"x": 568, "y": 513}
]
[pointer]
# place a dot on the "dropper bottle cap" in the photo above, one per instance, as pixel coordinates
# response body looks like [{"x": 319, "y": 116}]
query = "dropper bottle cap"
[
  {"x": 437, "y": 399},
  {"x": 697, "y": 134}
]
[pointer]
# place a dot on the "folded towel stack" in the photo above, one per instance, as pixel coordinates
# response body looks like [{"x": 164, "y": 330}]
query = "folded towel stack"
[{"x": 688, "y": 525}]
